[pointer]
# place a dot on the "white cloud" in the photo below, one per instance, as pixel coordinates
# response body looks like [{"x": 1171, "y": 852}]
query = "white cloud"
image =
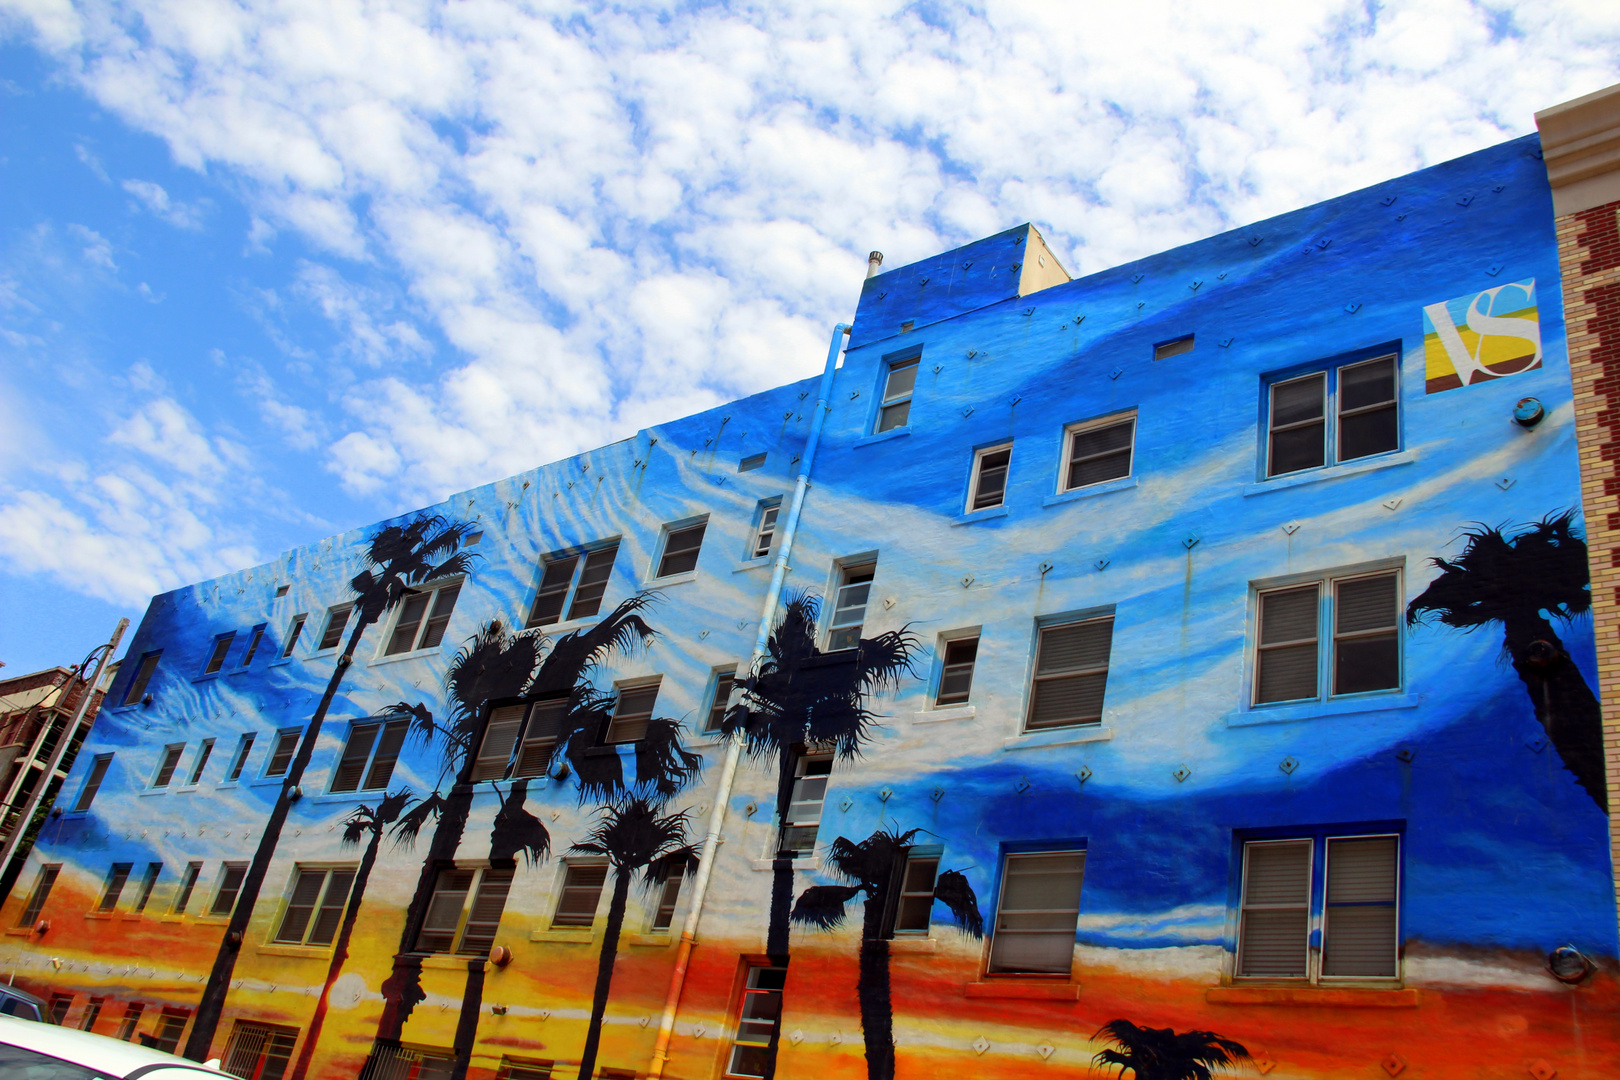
[
  {"x": 97, "y": 250},
  {"x": 182, "y": 215},
  {"x": 611, "y": 215}
]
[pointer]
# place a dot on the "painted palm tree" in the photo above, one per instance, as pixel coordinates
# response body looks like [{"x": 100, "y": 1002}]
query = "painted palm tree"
[
  {"x": 872, "y": 868},
  {"x": 797, "y": 697},
  {"x": 398, "y": 558},
  {"x": 1523, "y": 582},
  {"x": 365, "y": 823},
  {"x": 494, "y": 666},
  {"x": 637, "y": 838},
  {"x": 661, "y": 762},
  {"x": 515, "y": 832},
  {"x": 1160, "y": 1054}
]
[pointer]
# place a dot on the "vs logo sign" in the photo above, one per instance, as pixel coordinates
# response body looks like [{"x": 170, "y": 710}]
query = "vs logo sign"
[{"x": 1478, "y": 338}]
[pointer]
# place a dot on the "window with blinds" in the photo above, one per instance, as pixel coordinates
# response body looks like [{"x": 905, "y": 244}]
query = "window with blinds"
[
  {"x": 1275, "y": 927},
  {"x": 1037, "y": 913},
  {"x": 724, "y": 680},
  {"x": 989, "y": 487},
  {"x": 465, "y": 911},
  {"x": 582, "y": 576},
  {"x": 1347, "y": 627},
  {"x": 422, "y": 619},
  {"x": 581, "y": 892},
  {"x": 1339, "y": 414},
  {"x": 956, "y": 670},
  {"x": 681, "y": 547},
  {"x": 281, "y": 757},
  {"x": 524, "y": 1069},
  {"x": 370, "y": 755},
  {"x": 1098, "y": 451},
  {"x": 230, "y": 887},
  {"x": 632, "y": 713},
  {"x": 315, "y": 907},
  {"x": 914, "y": 907},
  {"x": 1360, "y": 936},
  {"x": 1071, "y": 673},
  {"x": 170, "y": 762}
]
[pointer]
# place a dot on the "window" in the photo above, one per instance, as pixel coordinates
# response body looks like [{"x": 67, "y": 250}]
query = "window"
[
  {"x": 798, "y": 835},
  {"x": 337, "y": 617},
  {"x": 92, "y": 783},
  {"x": 451, "y": 924},
  {"x": 681, "y": 546},
  {"x": 581, "y": 892},
  {"x": 294, "y": 632},
  {"x": 41, "y": 893},
  {"x": 60, "y": 1004},
  {"x": 422, "y": 619},
  {"x": 243, "y": 747},
  {"x": 282, "y": 590},
  {"x": 989, "y": 486},
  {"x": 757, "y": 1021},
  {"x": 148, "y": 882},
  {"x": 204, "y": 750},
  {"x": 473, "y": 539},
  {"x": 751, "y": 462},
  {"x": 725, "y": 680},
  {"x": 669, "y": 897},
  {"x": 849, "y": 606},
  {"x": 895, "y": 409},
  {"x": 1360, "y": 931},
  {"x": 956, "y": 670},
  {"x": 230, "y": 886},
  {"x": 143, "y": 676},
  {"x": 1035, "y": 919},
  {"x": 524, "y": 1069},
  {"x": 131, "y": 1020},
  {"x": 1165, "y": 350},
  {"x": 585, "y": 576},
  {"x": 315, "y": 907},
  {"x": 765, "y": 528},
  {"x": 1360, "y": 623},
  {"x": 369, "y": 756},
  {"x": 1361, "y": 400},
  {"x": 253, "y": 645},
  {"x": 915, "y": 907},
  {"x": 188, "y": 883},
  {"x": 166, "y": 767},
  {"x": 116, "y": 878},
  {"x": 531, "y": 730},
  {"x": 92, "y": 1013},
  {"x": 260, "y": 1051},
  {"x": 1071, "y": 674},
  {"x": 171, "y": 1024},
  {"x": 632, "y": 713},
  {"x": 216, "y": 659},
  {"x": 281, "y": 757},
  {"x": 1098, "y": 451}
]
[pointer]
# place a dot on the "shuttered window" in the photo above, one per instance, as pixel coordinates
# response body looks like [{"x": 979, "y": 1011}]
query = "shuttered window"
[
  {"x": 681, "y": 547},
  {"x": 443, "y": 918},
  {"x": 1035, "y": 920},
  {"x": 337, "y": 618},
  {"x": 1276, "y": 910},
  {"x": 1286, "y": 659},
  {"x": 452, "y": 924},
  {"x": 581, "y": 893},
  {"x": 632, "y": 713},
  {"x": 489, "y": 902},
  {"x": 990, "y": 478},
  {"x": 422, "y": 619},
  {"x": 1341, "y": 414},
  {"x": 1071, "y": 673},
  {"x": 540, "y": 737},
  {"x": 230, "y": 886},
  {"x": 1359, "y": 932},
  {"x": 281, "y": 757},
  {"x": 555, "y": 582},
  {"x": 1099, "y": 451},
  {"x": 315, "y": 908},
  {"x": 370, "y": 755},
  {"x": 500, "y": 738},
  {"x": 956, "y": 671},
  {"x": 593, "y": 582}
]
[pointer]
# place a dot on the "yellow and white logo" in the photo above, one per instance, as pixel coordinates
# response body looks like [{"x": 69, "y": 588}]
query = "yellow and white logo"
[{"x": 1482, "y": 337}]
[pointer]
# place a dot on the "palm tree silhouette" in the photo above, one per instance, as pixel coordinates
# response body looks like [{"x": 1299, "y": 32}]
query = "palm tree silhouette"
[
  {"x": 872, "y": 867},
  {"x": 637, "y": 838},
  {"x": 798, "y": 696},
  {"x": 398, "y": 558},
  {"x": 494, "y": 666},
  {"x": 365, "y": 821},
  {"x": 1512, "y": 581},
  {"x": 1160, "y": 1054},
  {"x": 515, "y": 832}
]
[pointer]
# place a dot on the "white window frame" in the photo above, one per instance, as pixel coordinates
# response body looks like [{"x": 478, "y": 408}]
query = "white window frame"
[
  {"x": 345, "y": 611},
  {"x": 1007, "y": 859},
  {"x": 434, "y": 590},
  {"x": 624, "y": 688},
  {"x": 976, "y": 478},
  {"x": 801, "y": 764},
  {"x": 700, "y": 525},
  {"x": 1331, "y": 372},
  {"x": 322, "y": 903},
  {"x": 297, "y": 735},
  {"x": 570, "y": 593},
  {"x": 1327, "y": 636},
  {"x": 843, "y": 570},
  {"x": 199, "y": 762},
  {"x": 384, "y": 726},
  {"x": 918, "y": 855},
  {"x": 1318, "y": 921},
  {"x": 576, "y": 920},
  {"x": 1084, "y": 426},
  {"x": 458, "y": 939},
  {"x": 1059, "y": 622},
  {"x": 946, "y": 640},
  {"x": 767, "y": 524},
  {"x": 722, "y": 680},
  {"x": 888, "y": 399},
  {"x": 244, "y": 747}
]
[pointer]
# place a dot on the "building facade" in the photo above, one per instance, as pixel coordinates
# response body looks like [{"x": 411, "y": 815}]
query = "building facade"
[{"x": 1201, "y": 646}]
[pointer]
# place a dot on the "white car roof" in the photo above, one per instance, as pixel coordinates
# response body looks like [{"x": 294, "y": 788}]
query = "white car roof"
[{"x": 100, "y": 1052}]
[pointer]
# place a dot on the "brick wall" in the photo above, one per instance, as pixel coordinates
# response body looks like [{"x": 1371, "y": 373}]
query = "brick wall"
[{"x": 1589, "y": 254}]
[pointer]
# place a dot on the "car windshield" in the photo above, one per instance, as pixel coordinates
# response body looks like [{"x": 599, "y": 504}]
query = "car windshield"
[{"x": 19, "y": 1064}]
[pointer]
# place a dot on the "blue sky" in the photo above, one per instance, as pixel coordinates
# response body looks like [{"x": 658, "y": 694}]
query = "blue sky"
[{"x": 270, "y": 272}]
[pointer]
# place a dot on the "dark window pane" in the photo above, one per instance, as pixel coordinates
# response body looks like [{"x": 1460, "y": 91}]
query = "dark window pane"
[
  {"x": 582, "y": 891},
  {"x": 1368, "y": 663},
  {"x": 1296, "y": 449},
  {"x": 336, "y": 619},
  {"x": 1101, "y": 453},
  {"x": 1372, "y": 383},
  {"x": 294, "y": 632},
  {"x": 548, "y": 602},
  {"x": 410, "y": 621},
  {"x": 216, "y": 660},
  {"x": 171, "y": 759},
  {"x": 281, "y": 757},
  {"x": 681, "y": 548},
  {"x": 330, "y": 914},
  {"x": 894, "y": 416},
  {"x": 353, "y": 762},
  {"x": 1370, "y": 432},
  {"x": 143, "y": 675},
  {"x": 1297, "y": 401},
  {"x": 444, "y": 603},
  {"x": 902, "y": 380},
  {"x": 593, "y": 581},
  {"x": 383, "y": 761}
]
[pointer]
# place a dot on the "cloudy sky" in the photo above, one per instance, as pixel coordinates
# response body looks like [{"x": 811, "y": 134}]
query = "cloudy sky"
[{"x": 269, "y": 271}]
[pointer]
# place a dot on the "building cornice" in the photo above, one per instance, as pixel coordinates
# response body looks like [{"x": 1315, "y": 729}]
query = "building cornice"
[{"x": 1580, "y": 143}]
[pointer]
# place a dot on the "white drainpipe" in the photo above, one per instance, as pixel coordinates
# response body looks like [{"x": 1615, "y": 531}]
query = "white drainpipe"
[{"x": 734, "y": 746}]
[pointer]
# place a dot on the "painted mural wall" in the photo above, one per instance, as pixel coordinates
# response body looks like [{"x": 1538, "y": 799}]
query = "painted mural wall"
[{"x": 1202, "y": 652}]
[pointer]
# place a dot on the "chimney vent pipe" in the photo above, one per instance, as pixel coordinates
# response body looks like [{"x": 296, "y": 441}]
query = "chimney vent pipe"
[{"x": 874, "y": 263}]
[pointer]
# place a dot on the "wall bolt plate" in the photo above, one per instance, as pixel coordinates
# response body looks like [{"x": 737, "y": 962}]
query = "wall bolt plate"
[
  {"x": 1394, "y": 1064},
  {"x": 886, "y": 794},
  {"x": 1046, "y": 1050},
  {"x": 845, "y": 803},
  {"x": 1288, "y": 765},
  {"x": 1181, "y": 773},
  {"x": 1022, "y": 785},
  {"x": 1405, "y": 753},
  {"x": 1538, "y": 743},
  {"x": 1291, "y": 528},
  {"x": 1084, "y": 774},
  {"x": 980, "y": 1045},
  {"x": 937, "y": 794}
]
